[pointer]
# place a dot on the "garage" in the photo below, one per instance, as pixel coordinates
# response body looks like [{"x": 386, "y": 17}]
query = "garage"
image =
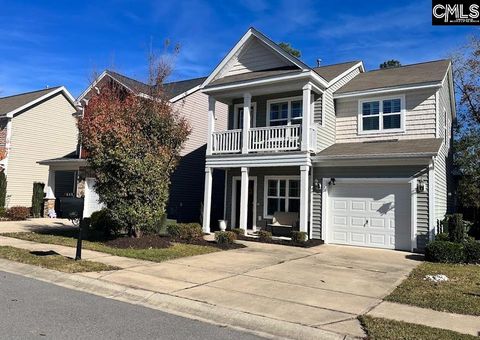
[{"x": 371, "y": 214}]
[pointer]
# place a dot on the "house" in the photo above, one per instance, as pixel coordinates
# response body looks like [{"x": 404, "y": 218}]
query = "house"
[
  {"x": 359, "y": 158},
  {"x": 186, "y": 191},
  {"x": 33, "y": 126}
]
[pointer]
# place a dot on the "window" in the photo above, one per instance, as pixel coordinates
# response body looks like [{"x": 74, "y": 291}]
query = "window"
[
  {"x": 286, "y": 111},
  {"x": 385, "y": 115},
  {"x": 281, "y": 194}
]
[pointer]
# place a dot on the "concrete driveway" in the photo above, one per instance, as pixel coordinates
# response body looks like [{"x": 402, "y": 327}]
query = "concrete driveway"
[{"x": 324, "y": 287}]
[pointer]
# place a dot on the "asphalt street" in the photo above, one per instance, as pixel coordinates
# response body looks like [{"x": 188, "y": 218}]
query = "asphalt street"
[{"x": 31, "y": 309}]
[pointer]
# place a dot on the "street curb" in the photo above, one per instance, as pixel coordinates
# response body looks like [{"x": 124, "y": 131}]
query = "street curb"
[{"x": 201, "y": 311}]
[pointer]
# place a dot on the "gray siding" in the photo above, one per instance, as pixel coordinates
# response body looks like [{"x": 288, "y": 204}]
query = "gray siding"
[
  {"x": 326, "y": 133},
  {"x": 443, "y": 160},
  {"x": 375, "y": 172},
  {"x": 419, "y": 119}
]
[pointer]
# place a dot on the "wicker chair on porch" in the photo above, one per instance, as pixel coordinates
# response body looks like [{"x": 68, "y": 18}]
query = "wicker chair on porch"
[{"x": 283, "y": 223}]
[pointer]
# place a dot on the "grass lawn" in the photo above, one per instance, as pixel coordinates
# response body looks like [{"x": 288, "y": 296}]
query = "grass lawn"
[
  {"x": 52, "y": 261},
  {"x": 177, "y": 250},
  {"x": 378, "y": 328},
  {"x": 461, "y": 294}
]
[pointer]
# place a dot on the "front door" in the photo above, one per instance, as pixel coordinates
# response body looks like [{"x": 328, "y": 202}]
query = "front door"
[{"x": 251, "y": 194}]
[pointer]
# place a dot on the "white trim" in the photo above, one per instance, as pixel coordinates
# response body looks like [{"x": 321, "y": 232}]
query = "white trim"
[
  {"x": 225, "y": 185},
  {"x": 259, "y": 160},
  {"x": 258, "y": 82},
  {"x": 310, "y": 206},
  {"x": 265, "y": 191},
  {"x": 381, "y": 130},
  {"x": 324, "y": 221},
  {"x": 431, "y": 199},
  {"x": 437, "y": 114},
  {"x": 343, "y": 74},
  {"x": 413, "y": 212},
  {"x": 323, "y": 110},
  {"x": 207, "y": 200},
  {"x": 381, "y": 91},
  {"x": 45, "y": 96},
  {"x": 185, "y": 94},
  {"x": 289, "y": 100},
  {"x": 253, "y": 116},
  {"x": 233, "y": 216},
  {"x": 238, "y": 47},
  {"x": 360, "y": 161}
]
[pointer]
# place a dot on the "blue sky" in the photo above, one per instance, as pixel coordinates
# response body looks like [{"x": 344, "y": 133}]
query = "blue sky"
[{"x": 49, "y": 43}]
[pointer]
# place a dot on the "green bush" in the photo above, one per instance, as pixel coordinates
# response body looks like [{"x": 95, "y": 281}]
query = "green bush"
[
  {"x": 238, "y": 231},
  {"x": 442, "y": 237},
  {"x": 18, "y": 213},
  {"x": 225, "y": 237},
  {"x": 3, "y": 189},
  {"x": 472, "y": 251},
  {"x": 101, "y": 221},
  {"x": 456, "y": 228},
  {"x": 37, "y": 199},
  {"x": 3, "y": 212},
  {"x": 299, "y": 236},
  {"x": 445, "y": 252},
  {"x": 185, "y": 231},
  {"x": 264, "y": 236}
]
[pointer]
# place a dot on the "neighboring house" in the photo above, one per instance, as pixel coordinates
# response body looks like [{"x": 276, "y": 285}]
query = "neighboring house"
[
  {"x": 186, "y": 191},
  {"x": 34, "y": 126},
  {"x": 359, "y": 158}
]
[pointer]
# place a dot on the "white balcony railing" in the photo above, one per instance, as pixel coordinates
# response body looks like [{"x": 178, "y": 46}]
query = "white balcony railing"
[
  {"x": 229, "y": 141},
  {"x": 263, "y": 139},
  {"x": 275, "y": 138}
]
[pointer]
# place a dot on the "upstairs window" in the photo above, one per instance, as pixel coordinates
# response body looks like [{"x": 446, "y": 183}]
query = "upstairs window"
[
  {"x": 285, "y": 111},
  {"x": 383, "y": 115}
]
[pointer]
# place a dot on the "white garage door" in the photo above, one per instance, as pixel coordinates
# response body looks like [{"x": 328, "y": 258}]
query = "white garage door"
[{"x": 371, "y": 215}]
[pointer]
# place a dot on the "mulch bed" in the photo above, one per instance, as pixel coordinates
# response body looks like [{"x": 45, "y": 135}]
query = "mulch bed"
[
  {"x": 307, "y": 244},
  {"x": 157, "y": 241}
]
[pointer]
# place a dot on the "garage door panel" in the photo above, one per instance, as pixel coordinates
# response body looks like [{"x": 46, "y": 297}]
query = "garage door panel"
[{"x": 366, "y": 215}]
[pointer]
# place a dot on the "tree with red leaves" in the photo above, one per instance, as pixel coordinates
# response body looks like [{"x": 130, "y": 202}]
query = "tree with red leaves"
[{"x": 133, "y": 143}]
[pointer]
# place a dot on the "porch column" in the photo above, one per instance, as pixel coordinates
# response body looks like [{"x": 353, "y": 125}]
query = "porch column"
[
  {"x": 247, "y": 103},
  {"x": 306, "y": 119},
  {"x": 244, "y": 200},
  {"x": 211, "y": 124},
  {"x": 49, "y": 199},
  {"x": 207, "y": 200},
  {"x": 304, "y": 203}
]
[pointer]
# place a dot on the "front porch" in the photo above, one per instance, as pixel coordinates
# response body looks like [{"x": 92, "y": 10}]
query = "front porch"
[{"x": 254, "y": 195}]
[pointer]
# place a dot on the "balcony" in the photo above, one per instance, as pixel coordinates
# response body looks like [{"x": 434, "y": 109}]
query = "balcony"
[{"x": 263, "y": 139}]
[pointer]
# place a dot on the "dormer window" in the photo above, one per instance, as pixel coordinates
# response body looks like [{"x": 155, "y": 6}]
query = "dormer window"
[{"x": 381, "y": 115}]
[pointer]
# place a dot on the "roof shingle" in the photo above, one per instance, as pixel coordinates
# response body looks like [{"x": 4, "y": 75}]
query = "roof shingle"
[
  {"x": 10, "y": 103},
  {"x": 428, "y": 72}
]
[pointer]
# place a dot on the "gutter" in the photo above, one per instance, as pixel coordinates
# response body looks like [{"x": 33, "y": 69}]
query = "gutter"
[{"x": 374, "y": 156}]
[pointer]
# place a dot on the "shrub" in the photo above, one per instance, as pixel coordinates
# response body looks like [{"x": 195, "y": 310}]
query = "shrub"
[
  {"x": 37, "y": 199},
  {"x": 3, "y": 189},
  {"x": 18, "y": 213},
  {"x": 456, "y": 228},
  {"x": 472, "y": 251},
  {"x": 238, "y": 231},
  {"x": 185, "y": 231},
  {"x": 299, "y": 236},
  {"x": 442, "y": 237},
  {"x": 3, "y": 212},
  {"x": 225, "y": 237},
  {"x": 445, "y": 251},
  {"x": 264, "y": 236},
  {"x": 101, "y": 221}
]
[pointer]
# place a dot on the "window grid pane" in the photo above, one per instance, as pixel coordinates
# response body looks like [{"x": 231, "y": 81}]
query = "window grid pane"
[
  {"x": 391, "y": 122},
  {"x": 370, "y": 123}
]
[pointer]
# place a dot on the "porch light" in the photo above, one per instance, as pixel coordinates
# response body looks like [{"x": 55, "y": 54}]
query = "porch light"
[
  {"x": 332, "y": 181},
  {"x": 421, "y": 187},
  {"x": 317, "y": 187}
]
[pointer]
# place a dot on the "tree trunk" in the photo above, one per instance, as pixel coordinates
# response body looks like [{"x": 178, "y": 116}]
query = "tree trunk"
[{"x": 134, "y": 232}]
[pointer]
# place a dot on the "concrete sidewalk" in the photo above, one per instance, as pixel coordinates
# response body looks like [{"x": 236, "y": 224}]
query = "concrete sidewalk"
[
  {"x": 317, "y": 292},
  {"x": 34, "y": 225}
]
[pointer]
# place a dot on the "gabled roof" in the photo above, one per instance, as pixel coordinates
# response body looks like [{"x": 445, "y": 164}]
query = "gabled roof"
[
  {"x": 330, "y": 72},
  {"x": 432, "y": 72},
  {"x": 19, "y": 102},
  {"x": 174, "y": 90},
  {"x": 382, "y": 149},
  {"x": 252, "y": 33}
]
